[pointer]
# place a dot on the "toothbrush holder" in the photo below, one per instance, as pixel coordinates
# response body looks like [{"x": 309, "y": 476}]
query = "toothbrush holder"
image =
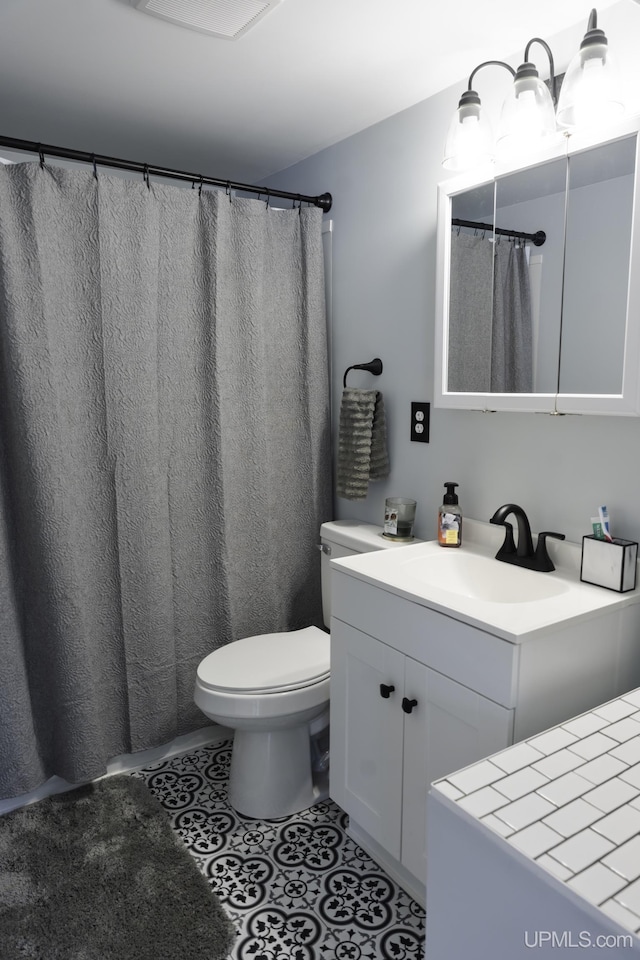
[{"x": 609, "y": 563}]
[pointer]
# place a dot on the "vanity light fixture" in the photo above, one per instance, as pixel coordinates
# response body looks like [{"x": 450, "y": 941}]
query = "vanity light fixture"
[{"x": 528, "y": 121}]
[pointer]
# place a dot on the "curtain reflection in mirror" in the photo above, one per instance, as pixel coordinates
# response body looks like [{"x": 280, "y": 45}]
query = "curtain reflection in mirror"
[{"x": 490, "y": 325}]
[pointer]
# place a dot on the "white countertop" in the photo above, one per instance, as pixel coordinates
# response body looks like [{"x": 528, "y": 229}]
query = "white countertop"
[
  {"x": 569, "y": 800},
  {"x": 394, "y": 571}
]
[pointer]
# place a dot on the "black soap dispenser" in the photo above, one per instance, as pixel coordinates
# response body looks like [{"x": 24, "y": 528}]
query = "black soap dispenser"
[{"x": 450, "y": 519}]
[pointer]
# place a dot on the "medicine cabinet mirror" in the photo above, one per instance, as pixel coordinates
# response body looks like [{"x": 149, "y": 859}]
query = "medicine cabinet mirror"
[{"x": 538, "y": 282}]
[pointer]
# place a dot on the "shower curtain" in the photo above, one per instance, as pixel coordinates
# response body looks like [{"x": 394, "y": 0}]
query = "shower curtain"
[
  {"x": 164, "y": 453},
  {"x": 490, "y": 325}
]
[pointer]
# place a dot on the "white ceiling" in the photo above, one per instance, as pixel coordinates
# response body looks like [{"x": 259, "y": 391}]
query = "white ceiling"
[{"x": 101, "y": 76}]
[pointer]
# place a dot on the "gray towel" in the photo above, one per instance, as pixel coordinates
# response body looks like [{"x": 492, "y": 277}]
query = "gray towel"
[{"x": 362, "y": 443}]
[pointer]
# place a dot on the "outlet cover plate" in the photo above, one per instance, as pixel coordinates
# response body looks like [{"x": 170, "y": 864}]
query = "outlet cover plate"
[{"x": 420, "y": 421}]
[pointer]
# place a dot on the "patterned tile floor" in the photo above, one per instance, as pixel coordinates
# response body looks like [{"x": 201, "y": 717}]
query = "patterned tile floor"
[{"x": 297, "y": 888}]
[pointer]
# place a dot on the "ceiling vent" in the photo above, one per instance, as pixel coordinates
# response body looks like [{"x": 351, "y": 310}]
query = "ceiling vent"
[{"x": 229, "y": 19}]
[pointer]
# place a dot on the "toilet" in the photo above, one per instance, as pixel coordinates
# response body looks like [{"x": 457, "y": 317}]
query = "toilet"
[{"x": 273, "y": 690}]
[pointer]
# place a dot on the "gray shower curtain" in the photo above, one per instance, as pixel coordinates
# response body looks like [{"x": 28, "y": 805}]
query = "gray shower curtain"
[
  {"x": 164, "y": 453},
  {"x": 490, "y": 324}
]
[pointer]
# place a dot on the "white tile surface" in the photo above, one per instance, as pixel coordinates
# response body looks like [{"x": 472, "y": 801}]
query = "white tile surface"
[
  {"x": 586, "y": 724},
  {"x": 630, "y": 898},
  {"x": 449, "y": 790},
  {"x": 628, "y": 752},
  {"x": 569, "y": 799},
  {"x": 527, "y": 810},
  {"x": 558, "y": 763},
  {"x": 582, "y": 850},
  {"x": 602, "y": 768},
  {"x": 624, "y": 729},
  {"x": 516, "y": 757},
  {"x": 618, "y": 913},
  {"x": 498, "y": 825},
  {"x": 557, "y": 869},
  {"x": 626, "y": 859},
  {"x": 517, "y": 784},
  {"x": 611, "y": 794},
  {"x": 632, "y": 775},
  {"x": 479, "y": 775},
  {"x": 594, "y": 745},
  {"x": 620, "y": 825},
  {"x": 564, "y": 789},
  {"x": 482, "y": 801},
  {"x": 572, "y": 817},
  {"x": 615, "y": 710},
  {"x": 535, "y": 840},
  {"x": 554, "y": 739},
  {"x": 597, "y": 883}
]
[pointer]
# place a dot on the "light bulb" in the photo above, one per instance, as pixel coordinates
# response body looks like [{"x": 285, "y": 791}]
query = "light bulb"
[
  {"x": 528, "y": 119},
  {"x": 591, "y": 92},
  {"x": 469, "y": 141}
]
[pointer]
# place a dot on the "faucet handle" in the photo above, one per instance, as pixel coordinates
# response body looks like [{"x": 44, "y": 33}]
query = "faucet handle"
[{"x": 544, "y": 562}]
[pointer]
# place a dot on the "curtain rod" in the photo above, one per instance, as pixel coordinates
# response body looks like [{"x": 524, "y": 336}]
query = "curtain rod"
[
  {"x": 43, "y": 149},
  {"x": 536, "y": 238}
]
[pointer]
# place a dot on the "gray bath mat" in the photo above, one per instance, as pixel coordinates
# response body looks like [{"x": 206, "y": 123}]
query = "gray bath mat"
[{"x": 98, "y": 873}]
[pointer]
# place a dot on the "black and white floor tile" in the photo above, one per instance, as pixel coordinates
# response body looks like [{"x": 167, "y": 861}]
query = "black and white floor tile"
[{"x": 297, "y": 888}]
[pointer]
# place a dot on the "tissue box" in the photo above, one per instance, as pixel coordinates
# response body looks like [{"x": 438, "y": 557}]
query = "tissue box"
[{"x": 609, "y": 563}]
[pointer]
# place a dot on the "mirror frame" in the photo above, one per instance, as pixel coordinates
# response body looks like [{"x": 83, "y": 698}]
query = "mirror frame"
[{"x": 627, "y": 402}]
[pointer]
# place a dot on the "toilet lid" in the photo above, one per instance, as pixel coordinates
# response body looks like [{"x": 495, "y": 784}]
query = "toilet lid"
[{"x": 268, "y": 663}]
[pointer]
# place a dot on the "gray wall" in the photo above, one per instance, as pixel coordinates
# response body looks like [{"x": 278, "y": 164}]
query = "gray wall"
[{"x": 383, "y": 182}]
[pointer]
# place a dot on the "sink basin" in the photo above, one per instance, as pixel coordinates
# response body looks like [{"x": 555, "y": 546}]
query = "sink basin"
[
  {"x": 482, "y": 578},
  {"x": 470, "y": 585}
]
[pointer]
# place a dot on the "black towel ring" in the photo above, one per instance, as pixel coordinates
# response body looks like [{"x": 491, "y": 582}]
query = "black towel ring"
[{"x": 374, "y": 367}]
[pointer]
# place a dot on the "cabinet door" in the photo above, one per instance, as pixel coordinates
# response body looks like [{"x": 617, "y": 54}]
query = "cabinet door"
[
  {"x": 454, "y": 726},
  {"x": 366, "y": 733}
]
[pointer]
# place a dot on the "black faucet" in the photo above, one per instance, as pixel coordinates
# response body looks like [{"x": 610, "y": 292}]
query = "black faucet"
[{"x": 523, "y": 555}]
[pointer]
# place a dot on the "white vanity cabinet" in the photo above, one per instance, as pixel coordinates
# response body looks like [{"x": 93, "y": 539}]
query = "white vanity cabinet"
[
  {"x": 402, "y": 725},
  {"x": 417, "y": 694},
  {"x": 402, "y": 722}
]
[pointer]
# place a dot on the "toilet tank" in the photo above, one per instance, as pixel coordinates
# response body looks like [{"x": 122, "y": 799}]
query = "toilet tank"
[{"x": 346, "y": 538}]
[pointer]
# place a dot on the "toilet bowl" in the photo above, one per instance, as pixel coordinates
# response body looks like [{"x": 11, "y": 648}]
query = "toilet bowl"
[
  {"x": 269, "y": 689},
  {"x": 273, "y": 691}
]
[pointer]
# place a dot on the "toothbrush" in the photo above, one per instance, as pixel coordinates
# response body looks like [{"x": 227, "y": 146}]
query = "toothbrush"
[{"x": 604, "y": 520}]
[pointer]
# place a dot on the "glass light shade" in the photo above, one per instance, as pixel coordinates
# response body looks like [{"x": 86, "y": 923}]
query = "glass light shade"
[
  {"x": 469, "y": 141},
  {"x": 591, "y": 91},
  {"x": 528, "y": 119}
]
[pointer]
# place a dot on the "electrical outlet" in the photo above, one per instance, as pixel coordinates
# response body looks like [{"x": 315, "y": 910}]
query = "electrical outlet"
[{"x": 420, "y": 422}]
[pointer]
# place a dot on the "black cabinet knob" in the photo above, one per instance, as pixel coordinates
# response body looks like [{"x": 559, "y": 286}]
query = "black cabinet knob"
[
  {"x": 408, "y": 705},
  {"x": 386, "y": 689}
]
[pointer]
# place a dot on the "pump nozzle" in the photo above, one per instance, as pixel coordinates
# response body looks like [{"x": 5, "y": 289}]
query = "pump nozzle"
[{"x": 450, "y": 496}]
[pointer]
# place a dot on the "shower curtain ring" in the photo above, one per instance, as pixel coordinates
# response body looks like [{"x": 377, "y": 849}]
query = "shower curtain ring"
[
  {"x": 200, "y": 187},
  {"x": 95, "y": 168},
  {"x": 41, "y": 155},
  {"x": 228, "y": 191},
  {"x": 145, "y": 176}
]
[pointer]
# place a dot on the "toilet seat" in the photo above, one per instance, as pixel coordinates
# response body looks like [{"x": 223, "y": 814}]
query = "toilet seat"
[{"x": 268, "y": 663}]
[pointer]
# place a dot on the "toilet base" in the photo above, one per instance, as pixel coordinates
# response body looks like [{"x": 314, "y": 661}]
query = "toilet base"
[{"x": 270, "y": 774}]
